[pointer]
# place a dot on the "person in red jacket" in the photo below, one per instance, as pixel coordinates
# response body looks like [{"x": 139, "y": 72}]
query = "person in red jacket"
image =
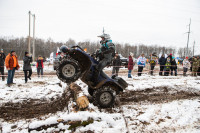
[
  {"x": 131, "y": 64},
  {"x": 40, "y": 66}
]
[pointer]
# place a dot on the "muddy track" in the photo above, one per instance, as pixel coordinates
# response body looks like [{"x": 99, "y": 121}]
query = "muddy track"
[
  {"x": 33, "y": 108},
  {"x": 156, "y": 95}
]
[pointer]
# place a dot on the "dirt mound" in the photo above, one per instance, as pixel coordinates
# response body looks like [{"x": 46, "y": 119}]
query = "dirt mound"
[
  {"x": 156, "y": 95},
  {"x": 33, "y": 108}
]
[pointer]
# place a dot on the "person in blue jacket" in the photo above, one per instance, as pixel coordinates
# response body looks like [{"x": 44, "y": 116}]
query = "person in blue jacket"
[{"x": 141, "y": 62}]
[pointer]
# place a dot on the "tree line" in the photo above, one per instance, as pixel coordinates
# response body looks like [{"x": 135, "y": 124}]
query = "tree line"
[{"x": 45, "y": 47}]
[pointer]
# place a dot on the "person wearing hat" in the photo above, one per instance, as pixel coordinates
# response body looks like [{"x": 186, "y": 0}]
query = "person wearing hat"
[
  {"x": 195, "y": 66},
  {"x": 105, "y": 54},
  {"x": 27, "y": 66},
  {"x": 2, "y": 60},
  {"x": 198, "y": 71},
  {"x": 162, "y": 62},
  {"x": 173, "y": 66},
  {"x": 40, "y": 66},
  {"x": 153, "y": 61},
  {"x": 116, "y": 64},
  {"x": 131, "y": 64},
  {"x": 186, "y": 66},
  {"x": 11, "y": 62},
  {"x": 141, "y": 62}
]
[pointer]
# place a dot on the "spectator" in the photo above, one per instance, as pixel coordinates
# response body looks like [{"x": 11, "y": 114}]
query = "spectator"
[
  {"x": 11, "y": 62},
  {"x": 153, "y": 61},
  {"x": 186, "y": 66},
  {"x": 195, "y": 66},
  {"x": 116, "y": 65},
  {"x": 191, "y": 62},
  {"x": 131, "y": 64},
  {"x": 173, "y": 66},
  {"x": 27, "y": 66},
  {"x": 167, "y": 67},
  {"x": 198, "y": 72},
  {"x": 162, "y": 62},
  {"x": 2, "y": 60},
  {"x": 141, "y": 64},
  {"x": 40, "y": 66}
]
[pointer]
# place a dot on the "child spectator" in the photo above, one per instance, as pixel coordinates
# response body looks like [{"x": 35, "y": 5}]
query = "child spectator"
[
  {"x": 116, "y": 64},
  {"x": 167, "y": 67},
  {"x": 186, "y": 66},
  {"x": 40, "y": 66}
]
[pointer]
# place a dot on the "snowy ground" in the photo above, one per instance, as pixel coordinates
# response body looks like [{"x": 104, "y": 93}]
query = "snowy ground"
[{"x": 149, "y": 104}]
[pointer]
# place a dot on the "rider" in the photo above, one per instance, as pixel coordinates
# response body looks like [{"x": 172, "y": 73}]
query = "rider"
[{"x": 106, "y": 52}]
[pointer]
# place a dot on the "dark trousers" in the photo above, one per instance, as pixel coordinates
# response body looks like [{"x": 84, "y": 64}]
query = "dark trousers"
[
  {"x": 2, "y": 73},
  {"x": 198, "y": 72},
  {"x": 115, "y": 71},
  {"x": 11, "y": 74},
  {"x": 140, "y": 68},
  {"x": 185, "y": 71},
  {"x": 175, "y": 70},
  {"x": 161, "y": 70},
  {"x": 39, "y": 71},
  {"x": 152, "y": 68},
  {"x": 27, "y": 74}
]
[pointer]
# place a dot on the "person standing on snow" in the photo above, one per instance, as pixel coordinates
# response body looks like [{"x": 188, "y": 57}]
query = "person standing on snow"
[
  {"x": 40, "y": 66},
  {"x": 198, "y": 71},
  {"x": 141, "y": 62},
  {"x": 167, "y": 67},
  {"x": 195, "y": 66},
  {"x": 2, "y": 60},
  {"x": 27, "y": 66},
  {"x": 11, "y": 62},
  {"x": 153, "y": 61},
  {"x": 173, "y": 66},
  {"x": 131, "y": 63},
  {"x": 106, "y": 54},
  {"x": 116, "y": 64},
  {"x": 162, "y": 62},
  {"x": 186, "y": 66}
]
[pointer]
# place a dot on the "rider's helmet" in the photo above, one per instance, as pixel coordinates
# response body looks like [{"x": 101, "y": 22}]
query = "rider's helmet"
[
  {"x": 64, "y": 49},
  {"x": 105, "y": 36}
]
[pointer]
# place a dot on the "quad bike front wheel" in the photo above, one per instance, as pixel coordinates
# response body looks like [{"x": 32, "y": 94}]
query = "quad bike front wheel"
[
  {"x": 104, "y": 97},
  {"x": 68, "y": 70}
]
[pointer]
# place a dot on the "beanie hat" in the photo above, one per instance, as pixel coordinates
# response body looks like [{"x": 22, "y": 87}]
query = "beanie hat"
[
  {"x": 186, "y": 57},
  {"x": 131, "y": 53},
  {"x": 26, "y": 53},
  {"x": 1, "y": 49},
  {"x": 12, "y": 51},
  {"x": 170, "y": 54},
  {"x": 173, "y": 57}
]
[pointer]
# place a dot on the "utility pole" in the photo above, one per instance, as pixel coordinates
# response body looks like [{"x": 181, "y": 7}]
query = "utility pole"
[
  {"x": 193, "y": 47},
  {"x": 33, "y": 37},
  {"x": 29, "y": 36},
  {"x": 188, "y": 37}
]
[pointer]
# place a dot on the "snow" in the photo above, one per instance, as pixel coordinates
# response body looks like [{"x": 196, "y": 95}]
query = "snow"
[{"x": 181, "y": 115}]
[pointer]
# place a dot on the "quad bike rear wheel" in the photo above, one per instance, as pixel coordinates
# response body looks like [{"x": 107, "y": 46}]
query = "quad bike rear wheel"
[
  {"x": 104, "y": 97},
  {"x": 68, "y": 70}
]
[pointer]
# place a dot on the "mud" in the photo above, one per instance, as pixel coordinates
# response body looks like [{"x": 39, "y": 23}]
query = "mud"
[
  {"x": 156, "y": 95},
  {"x": 33, "y": 108}
]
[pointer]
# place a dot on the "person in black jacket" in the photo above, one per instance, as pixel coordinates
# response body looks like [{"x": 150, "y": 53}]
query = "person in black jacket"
[
  {"x": 162, "y": 62},
  {"x": 2, "y": 60},
  {"x": 27, "y": 66},
  {"x": 173, "y": 66},
  {"x": 116, "y": 65}
]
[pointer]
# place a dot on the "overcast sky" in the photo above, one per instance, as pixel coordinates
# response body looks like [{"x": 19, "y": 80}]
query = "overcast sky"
[{"x": 161, "y": 22}]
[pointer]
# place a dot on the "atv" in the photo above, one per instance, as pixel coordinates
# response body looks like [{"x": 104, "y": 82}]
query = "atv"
[{"x": 76, "y": 63}]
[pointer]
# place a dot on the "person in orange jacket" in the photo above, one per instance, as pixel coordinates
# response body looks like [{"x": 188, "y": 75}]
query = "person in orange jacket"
[{"x": 11, "y": 62}]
